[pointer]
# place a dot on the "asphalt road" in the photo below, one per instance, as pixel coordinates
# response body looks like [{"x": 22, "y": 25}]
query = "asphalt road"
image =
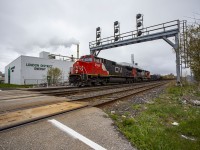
[
  {"x": 92, "y": 123},
  {"x": 6, "y": 105}
]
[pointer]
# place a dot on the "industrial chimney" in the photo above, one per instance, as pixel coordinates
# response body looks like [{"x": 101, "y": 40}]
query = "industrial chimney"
[
  {"x": 132, "y": 58},
  {"x": 77, "y": 51}
]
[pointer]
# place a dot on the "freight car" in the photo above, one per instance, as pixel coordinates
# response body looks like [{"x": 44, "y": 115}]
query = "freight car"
[
  {"x": 156, "y": 77},
  {"x": 91, "y": 70}
]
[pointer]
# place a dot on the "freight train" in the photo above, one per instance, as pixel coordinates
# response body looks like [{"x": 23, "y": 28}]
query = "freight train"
[{"x": 91, "y": 70}]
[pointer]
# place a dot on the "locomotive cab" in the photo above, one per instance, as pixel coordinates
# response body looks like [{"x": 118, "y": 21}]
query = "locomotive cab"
[{"x": 86, "y": 70}]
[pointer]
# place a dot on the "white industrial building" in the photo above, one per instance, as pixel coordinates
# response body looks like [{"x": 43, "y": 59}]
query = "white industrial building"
[{"x": 33, "y": 70}]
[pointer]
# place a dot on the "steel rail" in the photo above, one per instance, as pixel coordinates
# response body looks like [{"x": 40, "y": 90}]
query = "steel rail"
[
  {"x": 67, "y": 95},
  {"x": 111, "y": 96}
]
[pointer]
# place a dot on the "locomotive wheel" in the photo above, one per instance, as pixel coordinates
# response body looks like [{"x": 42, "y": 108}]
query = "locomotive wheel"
[
  {"x": 77, "y": 84},
  {"x": 93, "y": 83},
  {"x": 103, "y": 83}
]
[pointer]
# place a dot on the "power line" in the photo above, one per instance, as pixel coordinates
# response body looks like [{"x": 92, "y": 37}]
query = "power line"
[
  {"x": 195, "y": 13},
  {"x": 191, "y": 18}
]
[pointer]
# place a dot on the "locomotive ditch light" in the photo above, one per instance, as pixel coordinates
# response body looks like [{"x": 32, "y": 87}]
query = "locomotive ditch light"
[
  {"x": 139, "y": 24},
  {"x": 98, "y": 29},
  {"x": 139, "y": 33},
  {"x": 116, "y": 23},
  {"x": 116, "y": 30},
  {"x": 138, "y": 16}
]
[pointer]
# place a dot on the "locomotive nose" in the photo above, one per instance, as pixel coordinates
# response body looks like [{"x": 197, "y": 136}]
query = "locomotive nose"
[{"x": 78, "y": 68}]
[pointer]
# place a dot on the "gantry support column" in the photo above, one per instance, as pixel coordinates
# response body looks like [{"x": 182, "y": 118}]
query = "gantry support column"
[
  {"x": 178, "y": 79},
  {"x": 176, "y": 48}
]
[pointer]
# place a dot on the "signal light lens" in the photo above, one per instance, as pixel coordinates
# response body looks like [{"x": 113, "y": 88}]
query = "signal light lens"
[
  {"x": 138, "y": 16},
  {"x": 139, "y": 33},
  {"x": 116, "y": 38},
  {"x": 139, "y": 24},
  {"x": 98, "y": 35},
  {"x": 116, "y": 30},
  {"x": 98, "y": 43},
  {"x": 98, "y": 29},
  {"x": 116, "y": 23}
]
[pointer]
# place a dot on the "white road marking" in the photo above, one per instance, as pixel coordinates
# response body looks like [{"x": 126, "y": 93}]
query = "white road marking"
[{"x": 76, "y": 135}]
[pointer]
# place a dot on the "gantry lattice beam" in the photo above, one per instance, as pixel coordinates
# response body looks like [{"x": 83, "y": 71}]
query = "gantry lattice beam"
[
  {"x": 166, "y": 30},
  {"x": 141, "y": 39}
]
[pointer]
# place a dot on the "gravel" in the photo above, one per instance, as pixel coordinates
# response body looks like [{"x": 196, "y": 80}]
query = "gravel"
[{"x": 125, "y": 106}]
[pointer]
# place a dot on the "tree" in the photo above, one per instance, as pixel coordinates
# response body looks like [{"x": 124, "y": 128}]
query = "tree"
[
  {"x": 54, "y": 74},
  {"x": 193, "y": 45}
]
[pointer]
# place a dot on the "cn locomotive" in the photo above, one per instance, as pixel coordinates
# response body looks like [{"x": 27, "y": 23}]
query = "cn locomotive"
[{"x": 91, "y": 70}]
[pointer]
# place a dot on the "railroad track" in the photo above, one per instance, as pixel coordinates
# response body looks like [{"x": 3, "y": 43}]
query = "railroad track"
[
  {"x": 69, "y": 95},
  {"x": 108, "y": 97},
  {"x": 15, "y": 118},
  {"x": 63, "y": 91}
]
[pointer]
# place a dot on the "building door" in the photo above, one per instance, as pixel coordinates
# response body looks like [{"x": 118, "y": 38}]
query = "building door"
[{"x": 9, "y": 75}]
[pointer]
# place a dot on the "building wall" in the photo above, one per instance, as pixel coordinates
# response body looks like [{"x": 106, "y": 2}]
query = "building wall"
[
  {"x": 2, "y": 77},
  {"x": 15, "y": 71},
  {"x": 34, "y": 69}
]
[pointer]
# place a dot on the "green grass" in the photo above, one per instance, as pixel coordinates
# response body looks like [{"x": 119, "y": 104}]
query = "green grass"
[
  {"x": 152, "y": 128},
  {"x": 4, "y": 85},
  {"x": 137, "y": 106}
]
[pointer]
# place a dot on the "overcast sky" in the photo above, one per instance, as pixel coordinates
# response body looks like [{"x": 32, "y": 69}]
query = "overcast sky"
[{"x": 28, "y": 27}]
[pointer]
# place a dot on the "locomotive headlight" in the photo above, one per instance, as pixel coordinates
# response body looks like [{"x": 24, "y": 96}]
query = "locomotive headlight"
[{"x": 81, "y": 68}]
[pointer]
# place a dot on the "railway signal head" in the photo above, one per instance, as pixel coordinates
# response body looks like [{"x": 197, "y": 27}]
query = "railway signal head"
[
  {"x": 98, "y": 36},
  {"x": 116, "y": 31},
  {"x": 139, "y": 24}
]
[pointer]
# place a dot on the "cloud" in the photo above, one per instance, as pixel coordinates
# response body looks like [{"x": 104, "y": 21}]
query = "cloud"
[
  {"x": 50, "y": 42},
  {"x": 28, "y": 27}
]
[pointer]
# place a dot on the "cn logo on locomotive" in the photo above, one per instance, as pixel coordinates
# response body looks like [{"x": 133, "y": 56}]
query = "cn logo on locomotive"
[
  {"x": 97, "y": 65},
  {"x": 118, "y": 69}
]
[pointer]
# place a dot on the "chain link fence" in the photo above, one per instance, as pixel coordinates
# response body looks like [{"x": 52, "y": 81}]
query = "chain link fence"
[{"x": 44, "y": 82}]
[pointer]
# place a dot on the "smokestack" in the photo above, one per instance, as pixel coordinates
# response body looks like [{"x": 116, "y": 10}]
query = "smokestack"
[
  {"x": 77, "y": 51},
  {"x": 132, "y": 58}
]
